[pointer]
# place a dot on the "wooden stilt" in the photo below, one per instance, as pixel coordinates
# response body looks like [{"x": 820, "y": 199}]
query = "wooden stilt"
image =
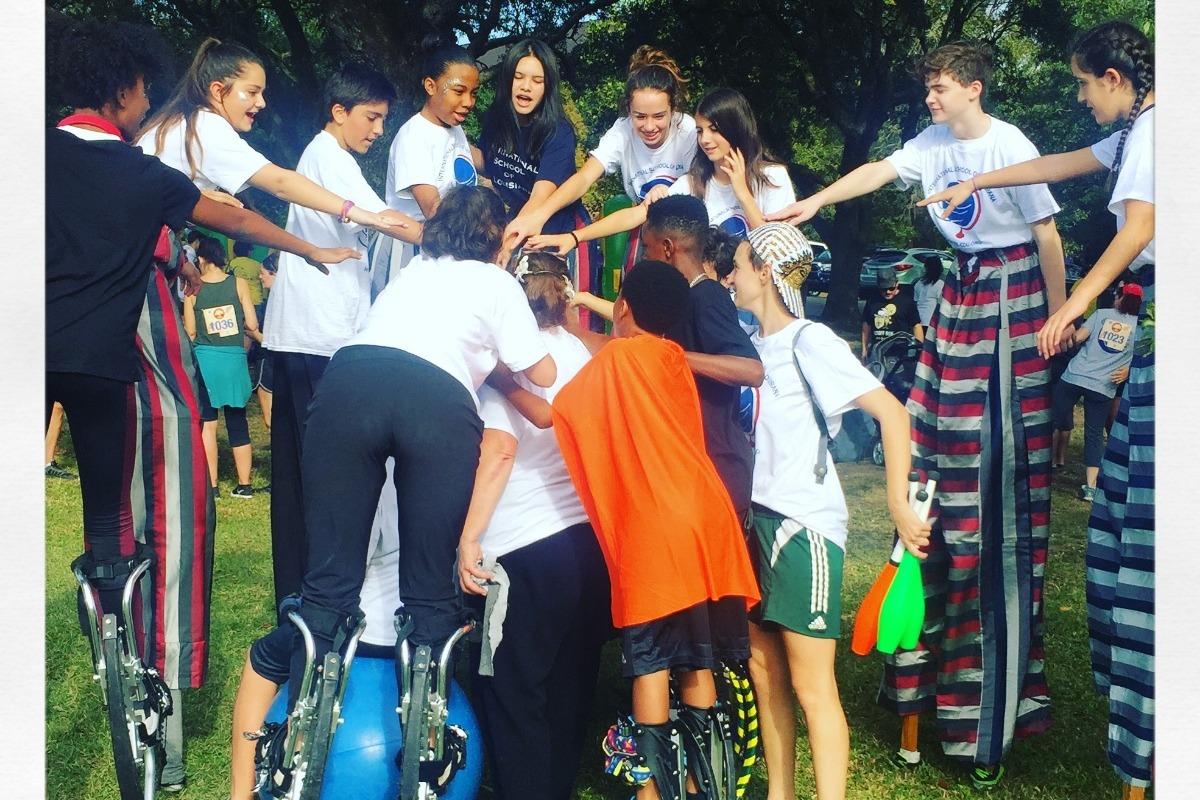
[
  {"x": 1132, "y": 792},
  {"x": 908, "y": 732}
]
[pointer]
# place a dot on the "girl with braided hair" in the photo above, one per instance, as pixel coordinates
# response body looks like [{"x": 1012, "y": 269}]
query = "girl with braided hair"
[{"x": 1114, "y": 66}]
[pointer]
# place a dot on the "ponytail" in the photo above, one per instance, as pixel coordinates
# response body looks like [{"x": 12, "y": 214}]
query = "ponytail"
[
  {"x": 214, "y": 61},
  {"x": 1119, "y": 46},
  {"x": 651, "y": 68}
]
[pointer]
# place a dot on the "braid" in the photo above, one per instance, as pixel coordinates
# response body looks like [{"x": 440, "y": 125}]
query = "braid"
[{"x": 1122, "y": 47}]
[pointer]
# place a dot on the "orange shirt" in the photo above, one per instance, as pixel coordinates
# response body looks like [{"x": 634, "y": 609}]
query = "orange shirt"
[{"x": 630, "y": 432}]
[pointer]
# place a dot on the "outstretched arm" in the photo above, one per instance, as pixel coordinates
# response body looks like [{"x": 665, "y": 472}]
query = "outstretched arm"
[
  {"x": 733, "y": 370},
  {"x": 624, "y": 220},
  {"x": 533, "y": 216},
  {"x": 242, "y": 225},
  {"x": 1137, "y": 232},
  {"x": 1045, "y": 169},
  {"x": 293, "y": 187},
  {"x": 856, "y": 183}
]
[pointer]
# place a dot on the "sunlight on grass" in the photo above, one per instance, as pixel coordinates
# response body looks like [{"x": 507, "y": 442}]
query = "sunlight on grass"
[{"x": 1066, "y": 764}]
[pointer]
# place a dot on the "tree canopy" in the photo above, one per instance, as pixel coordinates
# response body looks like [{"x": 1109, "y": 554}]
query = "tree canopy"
[{"x": 830, "y": 80}]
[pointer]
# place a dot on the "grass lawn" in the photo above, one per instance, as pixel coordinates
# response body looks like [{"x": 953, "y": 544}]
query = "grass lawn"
[{"x": 1068, "y": 763}]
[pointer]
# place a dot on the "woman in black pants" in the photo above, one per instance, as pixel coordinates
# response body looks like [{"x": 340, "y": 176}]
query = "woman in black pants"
[{"x": 404, "y": 387}]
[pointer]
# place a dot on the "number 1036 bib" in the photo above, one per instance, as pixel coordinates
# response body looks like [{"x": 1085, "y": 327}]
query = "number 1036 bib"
[{"x": 220, "y": 321}]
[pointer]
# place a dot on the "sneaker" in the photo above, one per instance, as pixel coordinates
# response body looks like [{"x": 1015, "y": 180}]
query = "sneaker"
[
  {"x": 243, "y": 491},
  {"x": 1087, "y": 493},
  {"x": 216, "y": 492},
  {"x": 174, "y": 787},
  {"x": 985, "y": 777},
  {"x": 906, "y": 759},
  {"x": 53, "y": 470}
]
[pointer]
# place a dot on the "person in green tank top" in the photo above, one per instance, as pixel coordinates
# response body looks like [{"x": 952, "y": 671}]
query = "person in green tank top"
[{"x": 217, "y": 318}]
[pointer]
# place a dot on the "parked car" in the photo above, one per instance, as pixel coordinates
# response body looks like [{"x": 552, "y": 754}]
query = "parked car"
[
  {"x": 907, "y": 264},
  {"x": 819, "y": 278}
]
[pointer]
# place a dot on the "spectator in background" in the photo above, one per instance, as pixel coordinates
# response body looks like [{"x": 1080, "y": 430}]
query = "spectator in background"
[
  {"x": 53, "y": 470},
  {"x": 247, "y": 268},
  {"x": 928, "y": 288},
  {"x": 1095, "y": 374},
  {"x": 216, "y": 318},
  {"x": 888, "y": 313},
  {"x": 262, "y": 372}
]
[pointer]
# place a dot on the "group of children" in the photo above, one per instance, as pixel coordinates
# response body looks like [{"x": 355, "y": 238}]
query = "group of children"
[{"x": 415, "y": 381}]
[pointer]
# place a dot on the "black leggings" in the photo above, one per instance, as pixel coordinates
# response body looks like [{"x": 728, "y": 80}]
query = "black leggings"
[
  {"x": 372, "y": 403},
  {"x": 235, "y": 424},
  {"x": 98, "y": 409}
]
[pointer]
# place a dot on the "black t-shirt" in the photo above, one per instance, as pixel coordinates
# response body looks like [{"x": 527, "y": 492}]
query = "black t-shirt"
[
  {"x": 890, "y": 316},
  {"x": 514, "y": 174},
  {"x": 711, "y": 326},
  {"x": 106, "y": 203}
]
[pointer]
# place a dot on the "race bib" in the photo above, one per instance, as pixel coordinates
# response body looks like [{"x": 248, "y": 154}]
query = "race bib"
[
  {"x": 220, "y": 321},
  {"x": 1114, "y": 336}
]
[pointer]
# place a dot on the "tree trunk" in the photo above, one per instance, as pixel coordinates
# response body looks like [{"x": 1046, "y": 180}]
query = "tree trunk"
[{"x": 847, "y": 243}]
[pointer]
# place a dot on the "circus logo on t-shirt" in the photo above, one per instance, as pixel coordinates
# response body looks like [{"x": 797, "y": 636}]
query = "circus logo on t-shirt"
[
  {"x": 1114, "y": 336},
  {"x": 735, "y": 226},
  {"x": 464, "y": 171},
  {"x": 966, "y": 216},
  {"x": 661, "y": 180}
]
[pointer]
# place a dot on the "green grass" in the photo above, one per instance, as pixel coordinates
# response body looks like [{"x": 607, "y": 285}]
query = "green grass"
[{"x": 1068, "y": 763}]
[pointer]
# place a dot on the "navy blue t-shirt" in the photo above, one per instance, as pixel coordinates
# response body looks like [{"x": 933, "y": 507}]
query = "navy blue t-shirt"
[
  {"x": 711, "y": 326},
  {"x": 514, "y": 174}
]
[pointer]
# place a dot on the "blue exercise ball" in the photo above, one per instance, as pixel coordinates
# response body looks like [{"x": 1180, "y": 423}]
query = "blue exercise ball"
[{"x": 362, "y": 761}]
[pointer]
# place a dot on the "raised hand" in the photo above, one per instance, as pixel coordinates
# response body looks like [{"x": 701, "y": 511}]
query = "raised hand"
[{"x": 734, "y": 165}]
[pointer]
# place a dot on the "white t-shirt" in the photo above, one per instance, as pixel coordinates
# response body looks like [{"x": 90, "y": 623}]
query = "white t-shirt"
[
  {"x": 926, "y": 295},
  {"x": 540, "y": 499},
  {"x": 990, "y": 218},
  {"x": 224, "y": 160},
  {"x": 380, "y": 594},
  {"x": 1135, "y": 181},
  {"x": 308, "y": 312},
  {"x": 642, "y": 168},
  {"x": 724, "y": 210},
  {"x": 461, "y": 316},
  {"x": 426, "y": 153},
  {"x": 786, "y": 434},
  {"x": 422, "y": 152}
]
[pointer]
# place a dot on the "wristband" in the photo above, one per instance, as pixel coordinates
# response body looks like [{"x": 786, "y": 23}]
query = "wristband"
[
  {"x": 344, "y": 216},
  {"x": 574, "y": 237},
  {"x": 974, "y": 186}
]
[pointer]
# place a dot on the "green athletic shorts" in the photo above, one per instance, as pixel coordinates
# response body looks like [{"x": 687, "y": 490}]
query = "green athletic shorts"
[{"x": 799, "y": 575}]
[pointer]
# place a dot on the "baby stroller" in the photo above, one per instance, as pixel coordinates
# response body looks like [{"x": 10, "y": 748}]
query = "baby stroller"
[{"x": 894, "y": 362}]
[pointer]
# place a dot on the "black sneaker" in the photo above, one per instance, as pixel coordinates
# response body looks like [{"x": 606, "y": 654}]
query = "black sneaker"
[
  {"x": 53, "y": 470},
  {"x": 173, "y": 787},
  {"x": 243, "y": 491},
  {"x": 216, "y": 492}
]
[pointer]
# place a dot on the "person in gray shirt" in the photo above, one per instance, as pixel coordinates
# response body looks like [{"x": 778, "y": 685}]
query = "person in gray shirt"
[{"x": 1095, "y": 373}]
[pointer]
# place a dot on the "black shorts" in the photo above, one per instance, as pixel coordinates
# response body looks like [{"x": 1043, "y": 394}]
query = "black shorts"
[
  {"x": 695, "y": 638},
  {"x": 262, "y": 372}
]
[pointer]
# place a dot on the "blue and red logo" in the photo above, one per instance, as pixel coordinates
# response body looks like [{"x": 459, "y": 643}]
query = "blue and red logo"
[
  {"x": 662, "y": 180},
  {"x": 464, "y": 172},
  {"x": 736, "y": 226},
  {"x": 967, "y": 215}
]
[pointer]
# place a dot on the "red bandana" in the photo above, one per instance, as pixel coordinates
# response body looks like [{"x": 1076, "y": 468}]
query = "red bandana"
[{"x": 94, "y": 121}]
